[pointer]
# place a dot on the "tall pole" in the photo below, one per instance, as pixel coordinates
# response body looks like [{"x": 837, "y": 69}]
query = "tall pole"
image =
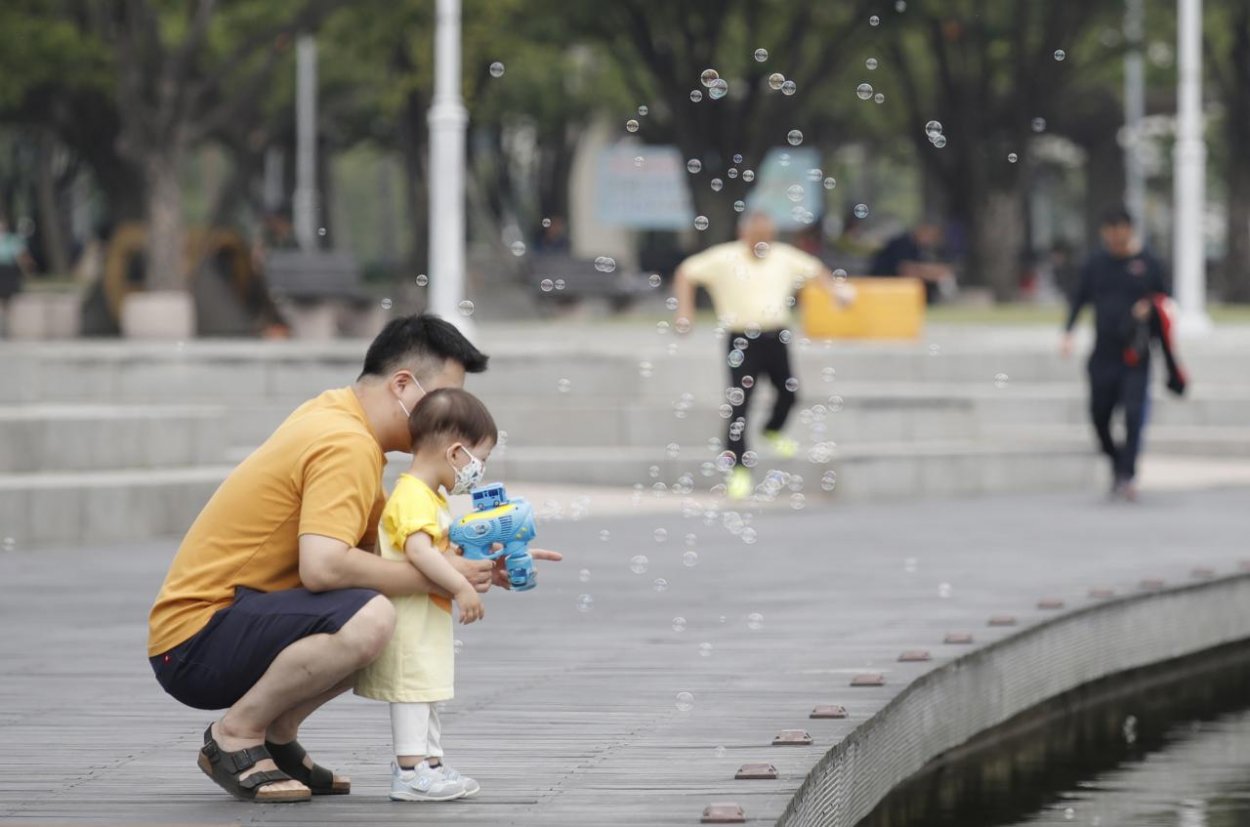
[
  {"x": 1134, "y": 111},
  {"x": 447, "y": 121},
  {"x": 305, "y": 205},
  {"x": 1189, "y": 262}
]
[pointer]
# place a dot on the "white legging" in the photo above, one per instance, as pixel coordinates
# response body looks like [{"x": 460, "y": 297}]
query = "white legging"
[{"x": 415, "y": 730}]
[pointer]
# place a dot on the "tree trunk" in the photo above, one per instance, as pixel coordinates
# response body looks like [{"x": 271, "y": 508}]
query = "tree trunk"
[
  {"x": 51, "y": 227},
  {"x": 995, "y": 237},
  {"x": 1236, "y": 270},
  {"x": 166, "y": 223}
]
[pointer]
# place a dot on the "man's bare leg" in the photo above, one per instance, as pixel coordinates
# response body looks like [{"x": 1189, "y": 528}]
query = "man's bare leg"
[
  {"x": 285, "y": 729},
  {"x": 305, "y": 671}
]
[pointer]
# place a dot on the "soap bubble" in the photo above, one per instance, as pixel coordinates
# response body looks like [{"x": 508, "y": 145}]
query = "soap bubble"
[
  {"x": 830, "y": 183},
  {"x": 692, "y": 539},
  {"x": 564, "y": 386},
  {"x": 644, "y": 369},
  {"x": 1130, "y": 730},
  {"x": 1012, "y": 157},
  {"x": 716, "y": 184},
  {"x": 829, "y": 481},
  {"x": 638, "y": 564},
  {"x": 748, "y": 175},
  {"x": 900, "y": 6},
  {"x": 798, "y": 501},
  {"x": 910, "y": 565},
  {"x": 643, "y": 110},
  {"x": 690, "y": 559},
  {"x": 753, "y": 331},
  {"x": 836, "y": 403},
  {"x": 1069, "y": 814},
  {"x": 660, "y": 535},
  {"x": 559, "y": 284},
  {"x": 828, "y": 374},
  {"x": 939, "y": 141},
  {"x": 755, "y": 621},
  {"x": 458, "y": 646},
  {"x": 654, "y": 279},
  {"x": 679, "y": 624},
  {"x": 660, "y": 585},
  {"x": 422, "y": 280},
  {"x": 735, "y": 358},
  {"x": 861, "y": 210},
  {"x": 546, "y": 285},
  {"x": 932, "y": 129},
  {"x": 584, "y": 575},
  {"x": 748, "y": 381},
  {"x": 585, "y": 603},
  {"x": 695, "y": 96},
  {"x": 685, "y": 701},
  {"x": 705, "y": 649},
  {"x": 605, "y": 535},
  {"x": 661, "y": 327},
  {"x": 1000, "y": 380},
  {"x": 694, "y": 165},
  {"x": 466, "y": 308},
  {"x": 518, "y": 248},
  {"x": 1060, "y": 54},
  {"x": 8, "y": 544},
  {"x": 496, "y": 70},
  {"x": 546, "y": 222},
  {"x": 386, "y": 304},
  {"x": 871, "y": 63},
  {"x": 605, "y": 264},
  {"x": 739, "y": 206},
  {"x": 750, "y": 459},
  {"x": 874, "y": 21},
  {"x": 795, "y": 192},
  {"x": 1039, "y": 124},
  {"x": 631, "y": 125},
  {"x": 785, "y": 337},
  {"x": 639, "y": 160},
  {"x": 708, "y": 76},
  {"x": 879, "y": 97},
  {"x": 794, "y": 137},
  {"x": 726, "y": 461},
  {"x": 775, "y": 80},
  {"x": 761, "y": 249},
  {"x": 718, "y": 89},
  {"x": 732, "y": 172},
  {"x": 700, "y": 222},
  {"x": 789, "y": 88},
  {"x": 735, "y": 396},
  {"x": 815, "y": 175},
  {"x": 671, "y": 303},
  {"x": 792, "y": 384},
  {"x": 321, "y": 231},
  {"x": 944, "y": 590},
  {"x": 864, "y": 91},
  {"x": 761, "y": 55}
]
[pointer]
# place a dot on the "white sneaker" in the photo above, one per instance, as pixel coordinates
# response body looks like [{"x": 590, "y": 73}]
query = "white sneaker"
[
  {"x": 423, "y": 784},
  {"x": 471, "y": 787}
]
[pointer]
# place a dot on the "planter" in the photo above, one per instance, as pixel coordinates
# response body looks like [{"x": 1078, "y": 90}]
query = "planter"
[{"x": 166, "y": 315}]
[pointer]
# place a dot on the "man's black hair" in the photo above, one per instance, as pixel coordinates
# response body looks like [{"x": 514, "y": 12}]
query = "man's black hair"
[
  {"x": 1115, "y": 217},
  {"x": 421, "y": 343}
]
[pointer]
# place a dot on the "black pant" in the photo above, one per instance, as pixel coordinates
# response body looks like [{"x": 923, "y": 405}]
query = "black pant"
[
  {"x": 768, "y": 356},
  {"x": 1114, "y": 384}
]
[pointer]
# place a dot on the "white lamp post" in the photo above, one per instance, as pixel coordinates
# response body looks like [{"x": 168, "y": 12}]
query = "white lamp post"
[
  {"x": 447, "y": 120},
  {"x": 1134, "y": 111},
  {"x": 305, "y": 206},
  {"x": 1189, "y": 253}
]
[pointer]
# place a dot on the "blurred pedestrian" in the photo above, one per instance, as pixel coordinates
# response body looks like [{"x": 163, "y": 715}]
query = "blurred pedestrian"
[
  {"x": 752, "y": 282},
  {"x": 15, "y": 263},
  {"x": 1124, "y": 283},
  {"x": 917, "y": 253}
]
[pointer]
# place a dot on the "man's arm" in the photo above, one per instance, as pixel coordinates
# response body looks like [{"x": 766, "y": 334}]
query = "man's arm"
[{"x": 326, "y": 564}]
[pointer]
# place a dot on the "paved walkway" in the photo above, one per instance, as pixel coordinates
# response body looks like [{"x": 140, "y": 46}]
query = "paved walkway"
[{"x": 570, "y": 717}]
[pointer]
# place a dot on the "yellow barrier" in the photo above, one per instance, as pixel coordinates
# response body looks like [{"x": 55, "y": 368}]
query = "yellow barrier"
[{"x": 882, "y": 308}]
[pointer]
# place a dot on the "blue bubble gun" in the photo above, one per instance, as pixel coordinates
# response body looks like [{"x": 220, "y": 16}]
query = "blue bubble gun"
[{"x": 496, "y": 519}]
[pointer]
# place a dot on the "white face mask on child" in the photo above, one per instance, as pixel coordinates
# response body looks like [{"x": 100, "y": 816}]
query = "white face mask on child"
[{"x": 469, "y": 475}]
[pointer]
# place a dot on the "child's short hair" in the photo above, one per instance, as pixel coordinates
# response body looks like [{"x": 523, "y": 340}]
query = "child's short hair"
[{"x": 451, "y": 412}]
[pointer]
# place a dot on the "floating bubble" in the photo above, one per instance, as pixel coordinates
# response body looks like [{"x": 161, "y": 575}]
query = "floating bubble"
[
  {"x": 1069, "y": 814},
  {"x": 794, "y": 137},
  {"x": 685, "y": 701},
  {"x": 631, "y": 125},
  {"x": 681, "y": 325},
  {"x": 874, "y": 21},
  {"x": 726, "y": 461},
  {"x": 700, "y": 222},
  {"x": 708, "y": 77},
  {"x": 693, "y": 166},
  {"x": 585, "y": 603},
  {"x": 466, "y": 308},
  {"x": 830, "y": 182},
  {"x": 660, "y": 584},
  {"x": 638, "y": 564},
  {"x": 690, "y": 559},
  {"x": 716, "y": 184},
  {"x": 660, "y": 535},
  {"x": 718, "y": 89},
  {"x": 932, "y": 129},
  {"x": 871, "y": 63},
  {"x": 789, "y": 88},
  {"x": 8, "y": 544},
  {"x": 719, "y": 752},
  {"x": 386, "y": 304},
  {"x": 748, "y": 175},
  {"x": 1012, "y": 157},
  {"x": 795, "y": 192},
  {"x": 644, "y": 369},
  {"x": 732, "y": 172},
  {"x": 695, "y": 96},
  {"x": 748, "y": 381},
  {"x": 518, "y": 248},
  {"x": 864, "y": 91},
  {"x": 792, "y": 384},
  {"x": 1000, "y": 380},
  {"x": 755, "y": 621},
  {"x": 939, "y": 141},
  {"x": 797, "y": 501},
  {"x": 422, "y": 280},
  {"x": 605, "y": 535},
  {"x": 639, "y": 160},
  {"x": 321, "y": 231},
  {"x": 1039, "y": 124},
  {"x": 829, "y": 481},
  {"x": 753, "y": 331},
  {"x": 785, "y": 337},
  {"x": 1060, "y": 54},
  {"x": 900, "y": 6},
  {"x": 749, "y": 536},
  {"x": 584, "y": 575},
  {"x": 836, "y": 403},
  {"x": 605, "y": 264},
  {"x": 496, "y": 69},
  {"x": 761, "y": 55},
  {"x": 815, "y": 175},
  {"x": 861, "y": 210},
  {"x": 654, "y": 279},
  {"x": 546, "y": 222},
  {"x": 735, "y": 358},
  {"x": 775, "y": 80},
  {"x": 643, "y": 110},
  {"x": 458, "y": 646},
  {"x": 671, "y": 303},
  {"x": 705, "y": 649},
  {"x": 546, "y": 285},
  {"x": 828, "y": 374},
  {"x": 736, "y": 396},
  {"x": 1130, "y": 730},
  {"x": 559, "y": 284},
  {"x": 761, "y": 249},
  {"x": 679, "y": 624},
  {"x": 739, "y": 206},
  {"x": 944, "y": 590},
  {"x": 879, "y": 97},
  {"x": 910, "y": 565},
  {"x": 935, "y": 349},
  {"x": 661, "y": 328},
  {"x": 564, "y": 386},
  {"x": 750, "y": 459}
]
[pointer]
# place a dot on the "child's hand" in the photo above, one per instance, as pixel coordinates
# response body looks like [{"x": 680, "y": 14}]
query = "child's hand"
[{"x": 470, "y": 604}]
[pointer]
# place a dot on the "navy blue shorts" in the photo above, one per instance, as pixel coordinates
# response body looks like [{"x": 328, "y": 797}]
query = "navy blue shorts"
[{"x": 221, "y": 662}]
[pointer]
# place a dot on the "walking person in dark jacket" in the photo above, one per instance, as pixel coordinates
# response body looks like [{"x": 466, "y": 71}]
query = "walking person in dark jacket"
[{"x": 1123, "y": 282}]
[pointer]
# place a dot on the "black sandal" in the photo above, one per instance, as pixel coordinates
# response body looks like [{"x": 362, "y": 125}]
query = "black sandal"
[
  {"x": 226, "y": 767},
  {"x": 290, "y": 759}
]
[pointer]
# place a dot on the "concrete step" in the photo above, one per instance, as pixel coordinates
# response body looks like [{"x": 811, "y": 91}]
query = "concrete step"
[
  {"x": 96, "y": 506},
  {"x": 90, "y": 437},
  {"x": 863, "y": 471},
  {"x": 1173, "y": 440}
]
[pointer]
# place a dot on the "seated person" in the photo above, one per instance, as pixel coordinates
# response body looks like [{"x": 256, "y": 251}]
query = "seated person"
[{"x": 916, "y": 254}]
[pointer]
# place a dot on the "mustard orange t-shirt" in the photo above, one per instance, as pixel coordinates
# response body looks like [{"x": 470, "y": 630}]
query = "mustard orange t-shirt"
[{"x": 320, "y": 473}]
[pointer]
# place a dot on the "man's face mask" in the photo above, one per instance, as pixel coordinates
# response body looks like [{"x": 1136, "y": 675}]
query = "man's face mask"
[
  {"x": 468, "y": 475},
  {"x": 402, "y": 406}
]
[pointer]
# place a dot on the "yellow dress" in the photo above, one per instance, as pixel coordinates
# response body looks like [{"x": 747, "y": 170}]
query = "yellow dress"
[{"x": 418, "y": 665}]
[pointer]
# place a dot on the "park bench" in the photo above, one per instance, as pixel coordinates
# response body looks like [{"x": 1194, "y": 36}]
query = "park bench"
[{"x": 582, "y": 280}]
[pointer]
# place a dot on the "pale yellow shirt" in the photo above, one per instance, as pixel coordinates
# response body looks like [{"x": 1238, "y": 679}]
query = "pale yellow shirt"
[
  {"x": 749, "y": 289},
  {"x": 419, "y": 663}
]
